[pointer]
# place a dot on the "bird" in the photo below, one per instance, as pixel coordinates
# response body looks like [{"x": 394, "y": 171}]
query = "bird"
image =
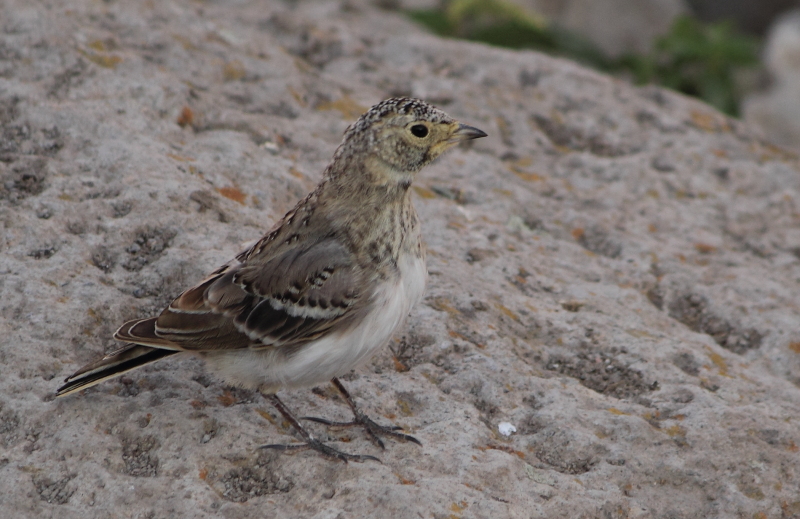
[{"x": 322, "y": 291}]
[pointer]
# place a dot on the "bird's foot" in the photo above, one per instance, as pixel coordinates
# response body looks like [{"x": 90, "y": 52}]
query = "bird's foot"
[
  {"x": 326, "y": 450},
  {"x": 310, "y": 442},
  {"x": 374, "y": 431}
]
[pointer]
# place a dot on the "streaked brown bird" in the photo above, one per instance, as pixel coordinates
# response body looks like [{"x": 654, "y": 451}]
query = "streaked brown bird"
[{"x": 320, "y": 292}]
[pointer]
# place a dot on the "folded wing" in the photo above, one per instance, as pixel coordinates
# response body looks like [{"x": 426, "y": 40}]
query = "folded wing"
[
  {"x": 267, "y": 300},
  {"x": 292, "y": 297}
]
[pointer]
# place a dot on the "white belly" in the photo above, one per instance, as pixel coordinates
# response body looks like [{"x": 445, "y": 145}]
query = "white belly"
[{"x": 332, "y": 355}]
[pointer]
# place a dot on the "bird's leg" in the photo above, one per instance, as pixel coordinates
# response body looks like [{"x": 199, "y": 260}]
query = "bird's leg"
[
  {"x": 360, "y": 419},
  {"x": 310, "y": 441}
]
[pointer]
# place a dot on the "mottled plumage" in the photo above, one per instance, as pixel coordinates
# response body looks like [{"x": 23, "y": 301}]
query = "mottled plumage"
[{"x": 325, "y": 287}]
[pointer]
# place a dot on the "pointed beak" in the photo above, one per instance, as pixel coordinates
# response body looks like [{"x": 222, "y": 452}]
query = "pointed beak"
[{"x": 466, "y": 133}]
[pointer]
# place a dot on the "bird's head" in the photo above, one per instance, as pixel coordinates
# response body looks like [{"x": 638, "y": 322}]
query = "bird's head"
[{"x": 401, "y": 135}]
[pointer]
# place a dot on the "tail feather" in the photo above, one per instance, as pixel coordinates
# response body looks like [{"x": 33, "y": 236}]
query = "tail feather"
[
  {"x": 112, "y": 365},
  {"x": 143, "y": 331}
]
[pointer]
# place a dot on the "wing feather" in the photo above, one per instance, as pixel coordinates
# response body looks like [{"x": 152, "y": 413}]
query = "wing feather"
[
  {"x": 292, "y": 297},
  {"x": 270, "y": 299}
]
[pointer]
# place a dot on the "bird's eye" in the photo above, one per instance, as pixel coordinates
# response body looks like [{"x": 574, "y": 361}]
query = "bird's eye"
[{"x": 419, "y": 130}]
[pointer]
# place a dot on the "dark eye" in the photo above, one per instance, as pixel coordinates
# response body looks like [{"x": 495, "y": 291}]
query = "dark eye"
[{"x": 419, "y": 130}]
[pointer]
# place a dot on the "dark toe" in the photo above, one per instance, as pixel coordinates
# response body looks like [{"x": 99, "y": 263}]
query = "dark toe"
[{"x": 326, "y": 450}]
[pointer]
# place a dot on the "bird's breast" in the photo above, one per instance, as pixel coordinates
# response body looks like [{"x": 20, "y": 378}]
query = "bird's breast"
[{"x": 413, "y": 277}]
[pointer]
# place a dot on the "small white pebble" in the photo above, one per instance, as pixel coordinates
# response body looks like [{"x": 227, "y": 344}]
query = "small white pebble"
[{"x": 506, "y": 429}]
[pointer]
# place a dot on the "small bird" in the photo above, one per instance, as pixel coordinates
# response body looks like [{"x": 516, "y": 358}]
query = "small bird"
[{"x": 320, "y": 292}]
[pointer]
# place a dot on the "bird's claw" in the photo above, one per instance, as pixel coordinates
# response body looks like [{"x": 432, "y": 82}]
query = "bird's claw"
[
  {"x": 326, "y": 450},
  {"x": 373, "y": 430}
]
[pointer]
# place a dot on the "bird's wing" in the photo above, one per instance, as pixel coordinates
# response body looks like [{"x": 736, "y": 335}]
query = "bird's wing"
[{"x": 288, "y": 297}]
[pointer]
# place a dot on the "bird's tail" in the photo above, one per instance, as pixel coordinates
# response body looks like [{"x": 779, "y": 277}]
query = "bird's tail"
[{"x": 112, "y": 365}]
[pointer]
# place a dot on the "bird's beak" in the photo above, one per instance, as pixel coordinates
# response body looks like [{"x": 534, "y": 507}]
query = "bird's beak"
[{"x": 465, "y": 133}]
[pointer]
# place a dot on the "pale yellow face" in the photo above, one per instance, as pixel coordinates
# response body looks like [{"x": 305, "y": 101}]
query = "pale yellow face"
[
  {"x": 397, "y": 137},
  {"x": 407, "y": 143},
  {"x": 438, "y": 139}
]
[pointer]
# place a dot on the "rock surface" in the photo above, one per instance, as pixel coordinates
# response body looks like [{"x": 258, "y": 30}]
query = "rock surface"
[
  {"x": 614, "y": 272},
  {"x": 618, "y": 27},
  {"x": 777, "y": 109}
]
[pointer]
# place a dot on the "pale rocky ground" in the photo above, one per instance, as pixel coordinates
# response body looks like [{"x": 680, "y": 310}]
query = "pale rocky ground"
[
  {"x": 617, "y": 27},
  {"x": 614, "y": 271},
  {"x": 776, "y": 110}
]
